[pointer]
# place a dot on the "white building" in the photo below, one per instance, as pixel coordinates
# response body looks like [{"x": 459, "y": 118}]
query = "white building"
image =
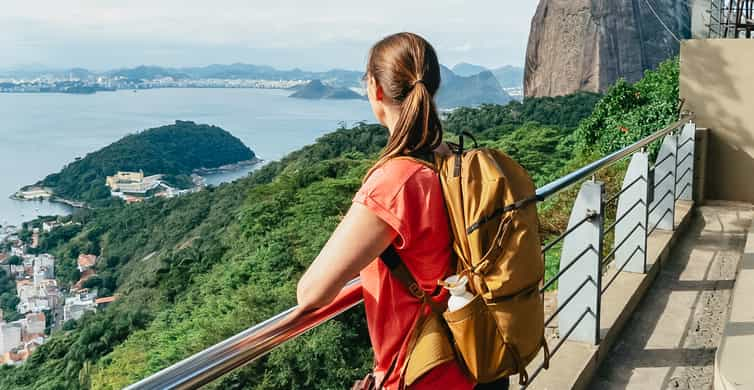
[
  {"x": 132, "y": 183},
  {"x": 36, "y": 295},
  {"x": 25, "y": 289},
  {"x": 76, "y": 306},
  {"x": 34, "y": 324},
  {"x": 44, "y": 267},
  {"x": 17, "y": 269},
  {"x": 18, "y": 250},
  {"x": 34, "y": 305},
  {"x": 47, "y": 226},
  {"x": 10, "y": 336}
]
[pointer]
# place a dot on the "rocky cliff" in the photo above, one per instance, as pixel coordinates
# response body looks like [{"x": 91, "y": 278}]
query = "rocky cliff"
[{"x": 586, "y": 45}]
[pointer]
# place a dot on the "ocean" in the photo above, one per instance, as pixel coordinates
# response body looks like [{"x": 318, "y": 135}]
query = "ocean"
[{"x": 40, "y": 133}]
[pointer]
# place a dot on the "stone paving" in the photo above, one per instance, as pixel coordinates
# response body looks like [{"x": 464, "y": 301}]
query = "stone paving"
[{"x": 670, "y": 341}]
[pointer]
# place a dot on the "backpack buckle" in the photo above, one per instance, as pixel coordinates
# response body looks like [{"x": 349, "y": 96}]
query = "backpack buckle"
[{"x": 416, "y": 290}]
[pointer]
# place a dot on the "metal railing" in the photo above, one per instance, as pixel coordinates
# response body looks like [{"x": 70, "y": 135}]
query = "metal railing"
[
  {"x": 642, "y": 202},
  {"x": 581, "y": 267},
  {"x": 730, "y": 19}
]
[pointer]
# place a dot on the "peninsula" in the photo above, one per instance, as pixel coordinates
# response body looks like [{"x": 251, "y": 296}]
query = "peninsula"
[{"x": 163, "y": 161}]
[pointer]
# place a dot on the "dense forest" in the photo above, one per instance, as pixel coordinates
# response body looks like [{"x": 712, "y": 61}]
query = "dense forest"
[
  {"x": 194, "y": 270},
  {"x": 174, "y": 150}
]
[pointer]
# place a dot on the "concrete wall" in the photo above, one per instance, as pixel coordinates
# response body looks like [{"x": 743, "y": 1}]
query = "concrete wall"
[
  {"x": 717, "y": 81},
  {"x": 700, "y": 18}
]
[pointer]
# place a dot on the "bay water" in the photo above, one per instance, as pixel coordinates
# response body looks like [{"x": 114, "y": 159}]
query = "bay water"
[{"x": 40, "y": 133}]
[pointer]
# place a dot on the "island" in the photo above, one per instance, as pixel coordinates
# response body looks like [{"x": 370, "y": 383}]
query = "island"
[
  {"x": 163, "y": 161},
  {"x": 315, "y": 89}
]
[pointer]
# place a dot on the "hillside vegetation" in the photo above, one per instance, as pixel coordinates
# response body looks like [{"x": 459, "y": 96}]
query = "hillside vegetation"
[
  {"x": 195, "y": 270},
  {"x": 173, "y": 150}
]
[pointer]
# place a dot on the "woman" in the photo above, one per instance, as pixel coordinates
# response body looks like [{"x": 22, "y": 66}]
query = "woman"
[{"x": 400, "y": 203}]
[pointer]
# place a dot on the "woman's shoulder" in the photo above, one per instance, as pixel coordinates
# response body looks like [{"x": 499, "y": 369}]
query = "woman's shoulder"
[
  {"x": 398, "y": 174},
  {"x": 406, "y": 167},
  {"x": 405, "y": 170},
  {"x": 407, "y": 164}
]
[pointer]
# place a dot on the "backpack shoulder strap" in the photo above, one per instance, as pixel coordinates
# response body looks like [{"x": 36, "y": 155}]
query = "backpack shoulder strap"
[{"x": 398, "y": 269}]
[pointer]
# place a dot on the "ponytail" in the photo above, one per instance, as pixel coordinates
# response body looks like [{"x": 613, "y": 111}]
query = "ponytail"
[{"x": 406, "y": 67}]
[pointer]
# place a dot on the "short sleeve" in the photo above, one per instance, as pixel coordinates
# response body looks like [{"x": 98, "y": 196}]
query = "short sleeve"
[{"x": 384, "y": 193}]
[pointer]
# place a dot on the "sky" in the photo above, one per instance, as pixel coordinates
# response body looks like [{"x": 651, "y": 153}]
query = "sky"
[{"x": 313, "y": 35}]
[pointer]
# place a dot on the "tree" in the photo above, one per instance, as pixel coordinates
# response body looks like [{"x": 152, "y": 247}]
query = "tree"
[{"x": 15, "y": 260}]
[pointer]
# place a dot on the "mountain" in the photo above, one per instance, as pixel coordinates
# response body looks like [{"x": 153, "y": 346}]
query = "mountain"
[
  {"x": 509, "y": 76},
  {"x": 173, "y": 150},
  {"x": 30, "y": 72},
  {"x": 458, "y": 91},
  {"x": 335, "y": 77},
  {"x": 148, "y": 73},
  {"x": 316, "y": 90},
  {"x": 464, "y": 69},
  {"x": 587, "y": 45}
]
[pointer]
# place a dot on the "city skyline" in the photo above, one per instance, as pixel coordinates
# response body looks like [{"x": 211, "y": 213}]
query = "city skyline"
[{"x": 288, "y": 34}]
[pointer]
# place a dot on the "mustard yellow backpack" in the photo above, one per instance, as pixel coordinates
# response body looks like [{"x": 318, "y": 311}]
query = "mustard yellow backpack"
[{"x": 491, "y": 206}]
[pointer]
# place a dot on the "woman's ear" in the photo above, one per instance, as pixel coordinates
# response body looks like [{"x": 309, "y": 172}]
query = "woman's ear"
[{"x": 379, "y": 93}]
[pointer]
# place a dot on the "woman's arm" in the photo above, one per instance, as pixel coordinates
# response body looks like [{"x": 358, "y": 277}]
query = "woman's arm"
[{"x": 359, "y": 238}]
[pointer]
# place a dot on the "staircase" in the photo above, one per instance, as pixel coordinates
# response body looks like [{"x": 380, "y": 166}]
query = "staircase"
[{"x": 674, "y": 333}]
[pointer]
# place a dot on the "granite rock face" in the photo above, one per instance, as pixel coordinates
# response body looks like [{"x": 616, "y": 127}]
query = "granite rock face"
[{"x": 587, "y": 45}]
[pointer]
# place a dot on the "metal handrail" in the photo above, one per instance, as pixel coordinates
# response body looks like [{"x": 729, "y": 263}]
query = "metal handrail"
[
  {"x": 249, "y": 345},
  {"x": 214, "y": 362},
  {"x": 584, "y": 172}
]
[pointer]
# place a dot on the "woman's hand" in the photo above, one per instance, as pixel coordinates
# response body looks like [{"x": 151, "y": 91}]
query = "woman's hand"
[{"x": 359, "y": 238}]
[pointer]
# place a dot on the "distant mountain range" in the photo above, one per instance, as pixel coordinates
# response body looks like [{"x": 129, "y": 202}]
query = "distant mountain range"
[
  {"x": 334, "y": 77},
  {"x": 464, "y": 85},
  {"x": 457, "y": 91},
  {"x": 508, "y": 76}
]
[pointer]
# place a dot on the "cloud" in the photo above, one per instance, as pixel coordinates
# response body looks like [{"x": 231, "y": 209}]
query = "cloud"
[
  {"x": 64, "y": 32},
  {"x": 466, "y": 47}
]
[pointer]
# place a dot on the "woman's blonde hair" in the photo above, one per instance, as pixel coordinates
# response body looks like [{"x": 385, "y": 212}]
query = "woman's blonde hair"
[{"x": 405, "y": 66}]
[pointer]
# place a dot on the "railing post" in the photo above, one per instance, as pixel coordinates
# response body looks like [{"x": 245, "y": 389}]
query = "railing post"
[
  {"x": 662, "y": 208},
  {"x": 684, "y": 185},
  {"x": 579, "y": 288},
  {"x": 631, "y": 229}
]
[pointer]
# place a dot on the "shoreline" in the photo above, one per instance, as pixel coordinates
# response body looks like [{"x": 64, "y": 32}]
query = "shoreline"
[
  {"x": 228, "y": 167},
  {"x": 45, "y": 194},
  {"x": 147, "y": 89},
  {"x": 52, "y": 199}
]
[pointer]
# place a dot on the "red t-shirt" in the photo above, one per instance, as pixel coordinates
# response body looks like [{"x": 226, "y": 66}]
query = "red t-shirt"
[{"x": 408, "y": 197}]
